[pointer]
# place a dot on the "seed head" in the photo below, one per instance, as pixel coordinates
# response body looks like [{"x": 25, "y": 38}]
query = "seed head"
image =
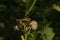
[{"x": 34, "y": 25}]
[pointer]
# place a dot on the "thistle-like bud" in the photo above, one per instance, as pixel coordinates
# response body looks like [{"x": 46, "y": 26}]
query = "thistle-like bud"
[
  {"x": 16, "y": 28},
  {"x": 34, "y": 25}
]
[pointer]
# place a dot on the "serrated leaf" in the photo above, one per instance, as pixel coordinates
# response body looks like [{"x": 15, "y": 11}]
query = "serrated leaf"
[{"x": 48, "y": 33}]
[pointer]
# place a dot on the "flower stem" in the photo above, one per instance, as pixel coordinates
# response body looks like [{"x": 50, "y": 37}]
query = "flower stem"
[{"x": 30, "y": 8}]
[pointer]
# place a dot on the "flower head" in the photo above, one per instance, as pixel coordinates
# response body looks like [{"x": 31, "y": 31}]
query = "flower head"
[
  {"x": 16, "y": 28},
  {"x": 34, "y": 25}
]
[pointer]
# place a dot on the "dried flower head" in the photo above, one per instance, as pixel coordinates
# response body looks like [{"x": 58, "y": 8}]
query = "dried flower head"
[
  {"x": 16, "y": 28},
  {"x": 34, "y": 25}
]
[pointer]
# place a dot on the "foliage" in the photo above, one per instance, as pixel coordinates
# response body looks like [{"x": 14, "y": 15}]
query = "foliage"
[
  {"x": 41, "y": 11},
  {"x": 1, "y": 38},
  {"x": 47, "y": 33}
]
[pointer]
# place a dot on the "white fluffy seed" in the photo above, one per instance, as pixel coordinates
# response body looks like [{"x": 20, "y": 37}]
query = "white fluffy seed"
[{"x": 34, "y": 25}]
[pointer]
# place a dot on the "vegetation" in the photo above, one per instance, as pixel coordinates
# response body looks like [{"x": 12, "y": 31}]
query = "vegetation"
[{"x": 29, "y": 20}]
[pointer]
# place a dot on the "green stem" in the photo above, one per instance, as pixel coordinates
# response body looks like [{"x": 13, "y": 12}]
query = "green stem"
[
  {"x": 30, "y": 8},
  {"x": 26, "y": 34}
]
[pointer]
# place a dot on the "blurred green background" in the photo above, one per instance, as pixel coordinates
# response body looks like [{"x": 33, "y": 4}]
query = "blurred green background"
[{"x": 10, "y": 10}]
